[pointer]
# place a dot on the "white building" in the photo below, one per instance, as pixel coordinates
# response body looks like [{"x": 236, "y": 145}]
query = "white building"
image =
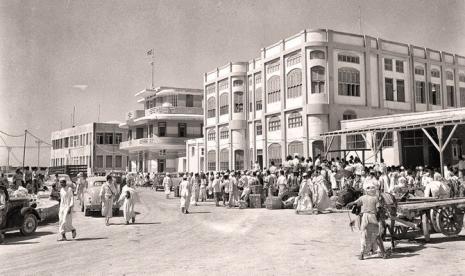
[
  {"x": 157, "y": 134},
  {"x": 302, "y": 86},
  {"x": 93, "y": 148}
]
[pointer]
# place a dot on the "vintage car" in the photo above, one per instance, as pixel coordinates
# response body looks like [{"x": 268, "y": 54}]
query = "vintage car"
[
  {"x": 91, "y": 200},
  {"x": 17, "y": 214}
]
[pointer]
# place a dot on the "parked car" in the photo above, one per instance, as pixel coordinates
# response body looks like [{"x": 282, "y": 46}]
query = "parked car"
[
  {"x": 51, "y": 180},
  {"x": 18, "y": 214},
  {"x": 91, "y": 201}
]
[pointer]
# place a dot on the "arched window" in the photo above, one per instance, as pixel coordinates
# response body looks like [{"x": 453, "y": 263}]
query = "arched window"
[
  {"x": 274, "y": 154},
  {"x": 224, "y": 159},
  {"x": 294, "y": 120},
  {"x": 258, "y": 99},
  {"x": 224, "y": 133},
  {"x": 239, "y": 160},
  {"x": 349, "y": 82},
  {"x": 318, "y": 79},
  {"x": 294, "y": 83},
  {"x": 274, "y": 123},
  {"x": 274, "y": 89},
  {"x": 317, "y": 54},
  {"x": 435, "y": 73},
  {"x": 211, "y": 135},
  {"x": 449, "y": 75},
  {"x": 349, "y": 115},
  {"x": 224, "y": 104},
  {"x": 211, "y": 107},
  {"x": 238, "y": 102},
  {"x": 296, "y": 147},
  {"x": 211, "y": 160}
]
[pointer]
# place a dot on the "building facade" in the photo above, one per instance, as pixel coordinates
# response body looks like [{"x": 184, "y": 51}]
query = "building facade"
[
  {"x": 157, "y": 134},
  {"x": 279, "y": 104},
  {"x": 93, "y": 146},
  {"x": 194, "y": 161}
]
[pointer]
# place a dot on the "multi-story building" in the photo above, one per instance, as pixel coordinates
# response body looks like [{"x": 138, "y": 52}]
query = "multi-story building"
[
  {"x": 157, "y": 134},
  {"x": 93, "y": 147},
  {"x": 195, "y": 156},
  {"x": 302, "y": 86}
]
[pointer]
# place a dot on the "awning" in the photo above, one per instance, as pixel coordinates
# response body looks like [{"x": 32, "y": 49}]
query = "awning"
[{"x": 405, "y": 121}]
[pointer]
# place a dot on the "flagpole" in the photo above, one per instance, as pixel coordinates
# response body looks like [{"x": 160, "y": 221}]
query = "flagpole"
[{"x": 152, "y": 63}]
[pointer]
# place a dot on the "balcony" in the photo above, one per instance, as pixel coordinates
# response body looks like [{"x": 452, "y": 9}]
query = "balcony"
[
  {"x": 174, "y": 110},
  {"x": 155, "y": 143}
]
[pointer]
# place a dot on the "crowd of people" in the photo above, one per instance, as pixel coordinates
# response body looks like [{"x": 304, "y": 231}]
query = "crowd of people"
[{"x": 312, "y": 186}]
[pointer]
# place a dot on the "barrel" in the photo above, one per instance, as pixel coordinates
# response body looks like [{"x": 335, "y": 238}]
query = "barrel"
[
  {"x": 255, "y": 201},
  {"x": 256, "y": 189}
]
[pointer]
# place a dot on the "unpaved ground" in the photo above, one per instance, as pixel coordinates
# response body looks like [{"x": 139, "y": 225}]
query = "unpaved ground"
[{"x": 219, "y": 241}]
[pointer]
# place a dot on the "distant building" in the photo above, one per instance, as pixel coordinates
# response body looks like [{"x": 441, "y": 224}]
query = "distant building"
[
  {"x": 91, "y": 147},
  {"x": 302, "y": 86},
  {"x": 157, "y": 134}
]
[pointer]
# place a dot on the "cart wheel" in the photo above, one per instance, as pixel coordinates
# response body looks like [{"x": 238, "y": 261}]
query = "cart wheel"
[
  {"x": 400, "y": 231},
  {"x": 425, "y": 225},
  {"x": 450, "y": 221},
  {"x": 433, "y": 219}
]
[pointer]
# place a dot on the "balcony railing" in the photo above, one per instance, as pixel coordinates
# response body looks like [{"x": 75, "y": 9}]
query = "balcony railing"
[
  {"x": 174, "y": 110},
  {"x": 154, "y": 141}
]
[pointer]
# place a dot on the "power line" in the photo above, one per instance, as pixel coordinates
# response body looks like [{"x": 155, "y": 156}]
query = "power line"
[
  {"x": 42, "y": 141},
  {"x": 11, "y": 135}
]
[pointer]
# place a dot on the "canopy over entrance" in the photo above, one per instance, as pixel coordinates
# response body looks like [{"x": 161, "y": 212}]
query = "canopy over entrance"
[{"x": 401, "y": 122}]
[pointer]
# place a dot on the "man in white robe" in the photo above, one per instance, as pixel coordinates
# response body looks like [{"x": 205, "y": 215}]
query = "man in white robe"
[
  {"x": 65, "y": 223},
  {"x": 186, "y": 194},
  {"x": 167, "y": 184},
  {"x": 130, "y": 197}
]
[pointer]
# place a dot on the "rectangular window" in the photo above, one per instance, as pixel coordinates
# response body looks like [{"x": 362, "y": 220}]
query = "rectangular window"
[
  {"x": 435, "y": 94},
  {"x": 224, "y": 84},
  {"x": 348, "y": 82},
  {"x": 118, "y": 161},
  {"x": 211, "y": 135},
  {"x": 420, "y": 92},
  {"x": 435, "y": 73},
  {"x": 100, "y": 140},
  {"x": 108, "y": 161},
  {"x": 462, "y": 78},
  {"x": 210, "y": 89},
  {"x": 400, "y": 90},
  {"x": 202, "y": 151},
  {"x": 182, "y": 130},
  {"x": 258, "y": 78},
  {"x": 99, "y": 161},
  {"x": 272, "y": 68},
  {"x": 189, "y": 100},
  {"x": 348, "y": 58},
  {"x": 118, "y": 138},
  {"x": 355, "y": 141},
  {"x": 462, "y": 96},
  {"x": 274, "y": 125},
  {"x": 399, "y": 66},
  {"x": 292, "y": 60},
  {"x": 224, "y": 134},
  {"x": 419, "y": 71},
  {"x": 258, "y": 99},
  {"x": 449, "y": 75},
  {"x": 294, "y": 121},
  {"x": 450, "y": 96},
  {"x": 108, "y": 138},
  {"x": 389, "y": 88},
  {"x": 161, "y": 129},
  {"x": 162, "y": 152},
  {"x": 413, "y": 138},
  {"x": 387, "y": 142},
  {"x": 259, "y": 129},
  {"x": 388, "y": 64}
]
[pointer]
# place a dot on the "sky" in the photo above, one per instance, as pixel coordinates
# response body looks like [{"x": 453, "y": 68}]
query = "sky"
[{"x": 56, "y": 55}]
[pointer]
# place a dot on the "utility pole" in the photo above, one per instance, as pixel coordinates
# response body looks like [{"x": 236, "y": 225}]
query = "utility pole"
[
  {"x": 8, "y": 157},
  {"x": 24, "y": 147},
  {"x": 38, "y": 142}
]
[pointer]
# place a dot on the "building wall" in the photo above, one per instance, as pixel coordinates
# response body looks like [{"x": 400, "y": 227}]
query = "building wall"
[{"x": 345, "y": 58}]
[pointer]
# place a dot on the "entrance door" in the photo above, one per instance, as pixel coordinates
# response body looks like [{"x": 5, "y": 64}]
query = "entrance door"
[
  {"x": 260, "y": 157},
  {"x": 161, "y": 165},
  {"x": 412, "y": 156}
]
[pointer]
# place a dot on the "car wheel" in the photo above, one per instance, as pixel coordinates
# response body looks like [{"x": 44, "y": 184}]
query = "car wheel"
[{"x": 29, "y": 225}]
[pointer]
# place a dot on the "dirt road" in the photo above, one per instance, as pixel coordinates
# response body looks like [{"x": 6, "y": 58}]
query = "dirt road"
[{"x": 219, "y": 241}]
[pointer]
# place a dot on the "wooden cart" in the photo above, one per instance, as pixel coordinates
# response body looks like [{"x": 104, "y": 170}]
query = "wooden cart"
[{"x": 423, "y": 216}]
